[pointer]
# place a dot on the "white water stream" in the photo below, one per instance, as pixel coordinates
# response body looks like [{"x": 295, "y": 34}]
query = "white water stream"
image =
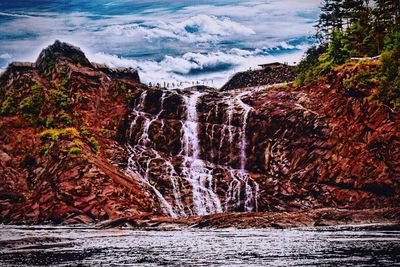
[{"x": 193, "y": 170}]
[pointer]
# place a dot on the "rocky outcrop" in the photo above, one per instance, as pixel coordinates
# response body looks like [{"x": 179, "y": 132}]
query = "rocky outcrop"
[
  {"x": 81, "y": 142},
  {"x": 261, "y": 77},
  {"x": 119, "y": 73},
  {"x": 58, "y": 151},
  {"x": 280, "y": 220},
  {"x": 60, "y": 51}
]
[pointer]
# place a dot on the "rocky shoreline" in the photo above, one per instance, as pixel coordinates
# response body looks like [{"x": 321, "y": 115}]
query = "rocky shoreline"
[{"x": 275, "y": 220}]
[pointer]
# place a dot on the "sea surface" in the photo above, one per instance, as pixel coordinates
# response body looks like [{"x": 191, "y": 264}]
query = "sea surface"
[
  {"x": 332, "y": 246},
  {"x": 166, "y": 40}
]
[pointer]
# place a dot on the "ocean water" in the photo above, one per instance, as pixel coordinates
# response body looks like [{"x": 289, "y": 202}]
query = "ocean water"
[
  {"x": 333, "y": 246},
  {"x": 172, "y": 41}
]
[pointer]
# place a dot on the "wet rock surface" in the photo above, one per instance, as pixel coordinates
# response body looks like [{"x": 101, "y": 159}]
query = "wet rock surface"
[{"x": 113, "y": 148}]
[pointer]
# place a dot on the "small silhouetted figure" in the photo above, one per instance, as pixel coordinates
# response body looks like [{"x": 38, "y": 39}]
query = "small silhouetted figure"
[
  {"x": 158, "y": 85},
  {"x": 167, "y": 85},
  {"x": 173, "y": 85},
  {"x": 164, "y": 84},
  {"x": 150, "y": 84}
]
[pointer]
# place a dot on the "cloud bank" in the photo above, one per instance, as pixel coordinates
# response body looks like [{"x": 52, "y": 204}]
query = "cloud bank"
[{"x": 167, "y": 39}]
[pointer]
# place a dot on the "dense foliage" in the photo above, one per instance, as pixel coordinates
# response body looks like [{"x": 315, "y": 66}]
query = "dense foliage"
[{"x": 350, "y": 29}]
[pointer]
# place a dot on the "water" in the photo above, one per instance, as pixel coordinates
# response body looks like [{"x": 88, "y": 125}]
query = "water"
[
  {"x": 204, "y": 199},
  {"x": 185, "y": 184},
  {"x": 251, "y": 197},
  {"x": 63, "y": 246}
]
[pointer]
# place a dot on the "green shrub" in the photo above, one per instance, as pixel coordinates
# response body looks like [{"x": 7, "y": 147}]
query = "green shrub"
[
  {"x": 94, "y": 144},
  {"x": 49, "y": 123},
  {"x": 390, "y": 78},
  {"x": 306, "y": 69},
  {"x": 65, "y": 118},
  {"x": 64, "y": 83},
  {"x": 75, "y": 151},
  {"x": 363, "y": 79},
  {"x": 85, "y": 132},
  {"x": 59, "y": 98},
  {"x": 54, "y": 134},
  {"x": 8, "y": 106},
  {"x": 32, "y": 104}
]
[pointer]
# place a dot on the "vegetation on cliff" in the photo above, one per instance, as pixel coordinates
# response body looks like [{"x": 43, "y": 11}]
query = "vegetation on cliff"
[
  {"x": 59, "y": 122},
  {"x": 356, "y": 30}
]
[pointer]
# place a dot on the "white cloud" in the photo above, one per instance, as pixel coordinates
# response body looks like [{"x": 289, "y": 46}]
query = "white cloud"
[
  {"x": 5, "y": 56},
  {"x": 200, "y": 28},
  {"x": 180, "y": 69}
]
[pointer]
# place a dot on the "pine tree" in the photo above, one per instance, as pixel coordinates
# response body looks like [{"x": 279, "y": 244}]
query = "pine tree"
[
  {"x": 325, "y": 22},
  {"x": 331, "y": 19}
]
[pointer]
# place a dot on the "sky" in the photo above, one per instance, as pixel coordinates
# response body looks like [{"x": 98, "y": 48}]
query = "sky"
[{"x": 172, "y": 41}]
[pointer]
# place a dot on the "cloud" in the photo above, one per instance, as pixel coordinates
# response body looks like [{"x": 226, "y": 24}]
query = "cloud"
[
  {"x": 200, "y": 28},
  {"x": 213, "y": 66},
  {"x": 5, "y": 56}
]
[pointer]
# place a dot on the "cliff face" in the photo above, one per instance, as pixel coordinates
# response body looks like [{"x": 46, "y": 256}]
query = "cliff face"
[
  {"x": 266, "y": 150},
  {"x": 59, "y": 126},
  {"x": 80, "y": 142}
]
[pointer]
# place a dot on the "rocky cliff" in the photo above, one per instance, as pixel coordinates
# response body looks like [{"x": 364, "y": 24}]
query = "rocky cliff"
[
  {"x": 81, "y": 142},
  {"x": 261, "y": 77},
  {"x": 59, "y": 125}
]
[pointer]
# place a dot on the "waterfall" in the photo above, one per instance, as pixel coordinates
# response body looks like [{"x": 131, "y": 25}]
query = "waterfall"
[
  {"x": 184, "y": 182},
  {"x": 135, "y": 169},
  {"x": 144, "y": 139},
  {"x": 205, "y": 201},
  {"x": 243, "y": 145},
  {"x": 251, "y": 196}
]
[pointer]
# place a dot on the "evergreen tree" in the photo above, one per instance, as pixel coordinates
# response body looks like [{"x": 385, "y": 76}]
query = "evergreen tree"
[{"x": 331, "y": 19}]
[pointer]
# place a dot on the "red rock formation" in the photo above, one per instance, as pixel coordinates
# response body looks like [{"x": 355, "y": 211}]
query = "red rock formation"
[{"x": 41, "y": 181}]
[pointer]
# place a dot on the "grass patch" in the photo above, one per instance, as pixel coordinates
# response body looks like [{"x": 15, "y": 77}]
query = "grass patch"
[
  {"x": 94, "y": 144},
  {"x": 76, "y": 151},
  {"x": 55, "y": 134}
]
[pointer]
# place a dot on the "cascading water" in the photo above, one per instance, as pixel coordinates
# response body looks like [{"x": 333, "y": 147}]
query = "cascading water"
[
  {"x": 205, "y": 201},
  {"x": 250, "y": 195},
  {"x": 185, "y": 183},
  {"x": 135, "y": 169}
]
